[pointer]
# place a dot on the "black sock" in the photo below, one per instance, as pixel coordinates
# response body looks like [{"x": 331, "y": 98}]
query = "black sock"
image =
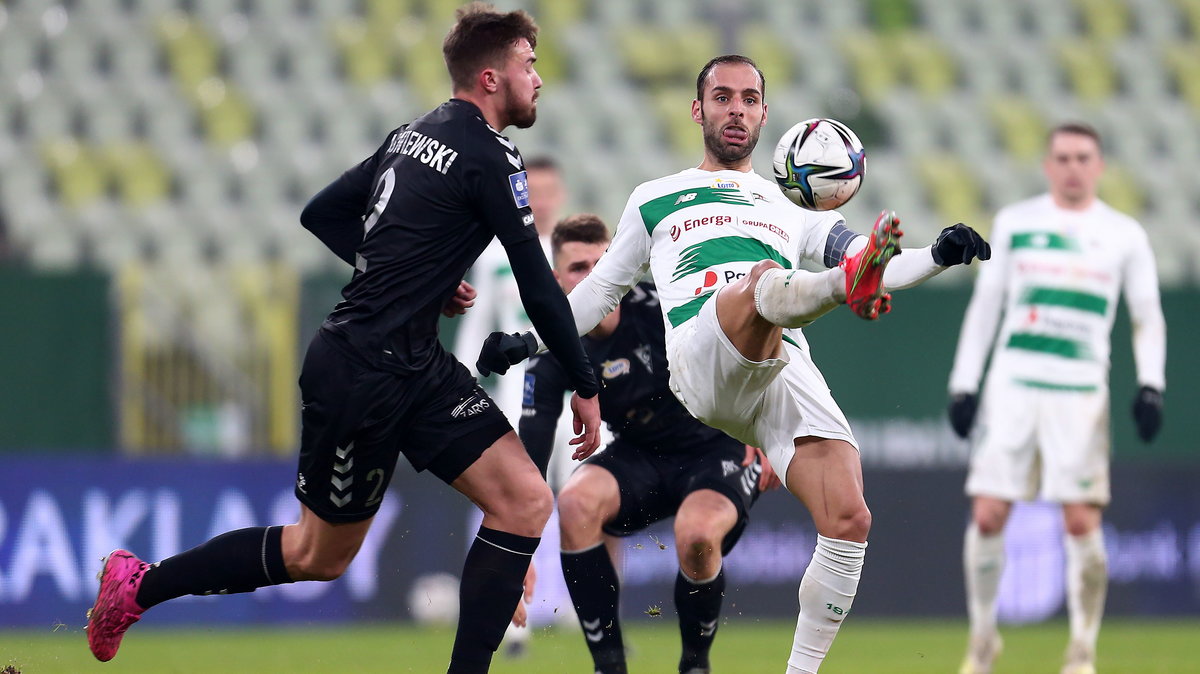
[
  {"x": 237, "y": 561},
  {"x": 699, "y": 607},
  {"x": 596, "y": 593},
  {"x": 492, "y": 583}
]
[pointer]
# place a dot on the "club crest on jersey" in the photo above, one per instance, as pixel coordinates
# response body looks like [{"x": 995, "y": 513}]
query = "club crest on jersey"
[
  {"x": 611, "y": 369},
  {"x": 520, "y": 188}
]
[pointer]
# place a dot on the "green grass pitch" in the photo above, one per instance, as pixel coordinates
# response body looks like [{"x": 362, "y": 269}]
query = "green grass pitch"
[{"x": 743, "y": 646}]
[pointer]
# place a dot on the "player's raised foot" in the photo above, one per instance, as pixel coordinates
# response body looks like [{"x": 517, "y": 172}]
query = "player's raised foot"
[
  {"x": 864, "y": 270},
  {"x": 1080, "y": 659},
  {"x": 115, "y": 608},
  {"x": 981, "y": 653}
]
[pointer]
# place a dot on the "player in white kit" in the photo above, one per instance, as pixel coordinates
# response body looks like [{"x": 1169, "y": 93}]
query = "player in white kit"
[
  {"x": 1061, "y": 261},
  {"x": 724, "y": 244}
]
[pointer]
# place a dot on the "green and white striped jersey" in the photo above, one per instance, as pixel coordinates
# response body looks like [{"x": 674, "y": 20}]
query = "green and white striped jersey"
[
  {"x": 1057, "y": 274},
  {"x": 697, "y": 231}
]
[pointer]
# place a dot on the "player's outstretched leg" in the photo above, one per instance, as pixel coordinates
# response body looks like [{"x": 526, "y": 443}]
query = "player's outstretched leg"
[
  {"x": 233, "y": 562},
  {"x": 864, "y": 270},
  {"x": 115, "y": 608},
  {"x": 794, "y": 298}
]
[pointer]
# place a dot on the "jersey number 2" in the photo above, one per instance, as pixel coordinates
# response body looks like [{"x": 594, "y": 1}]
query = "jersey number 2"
[{"x": 387, "y": 183}]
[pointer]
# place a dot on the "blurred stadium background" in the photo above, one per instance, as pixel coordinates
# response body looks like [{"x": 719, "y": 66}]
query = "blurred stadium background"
[{"x": 157, "y": 288}]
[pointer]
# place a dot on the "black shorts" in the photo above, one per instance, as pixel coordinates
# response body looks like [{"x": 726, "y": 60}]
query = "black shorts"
[
  {"x": 654, "y": 485},
  {"x": 357, "y": 420}
]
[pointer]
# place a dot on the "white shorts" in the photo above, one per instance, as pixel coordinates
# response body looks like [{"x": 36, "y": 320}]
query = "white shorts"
[
  {"x": 1033, "y": 437},
  {"x": 766, "y": 404}
]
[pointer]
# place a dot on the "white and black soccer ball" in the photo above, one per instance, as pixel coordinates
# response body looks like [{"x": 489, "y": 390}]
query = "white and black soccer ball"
[{"x": 819, "y": 164}]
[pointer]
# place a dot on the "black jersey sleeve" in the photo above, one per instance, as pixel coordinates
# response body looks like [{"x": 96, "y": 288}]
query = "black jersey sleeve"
[
  {"x": 500, "y": 194},
  {"x": 334, "y": 215},
  {"x": 541, "y": 406},
  {"x": 550, "y": 313}
]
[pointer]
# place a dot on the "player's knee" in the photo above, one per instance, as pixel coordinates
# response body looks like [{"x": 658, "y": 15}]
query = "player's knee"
[
  {"x": 1080, "y": 526},
  {"x": 695, "y": 540},
  {"x": 533, "y": 504},
  {"x": 578, "y": 509},
  {"x": 989, "y": 521},
  {"x": 756, "y": 272},
  {"x": 853, "y": 525},
  {"x": 320, "y": 567}
]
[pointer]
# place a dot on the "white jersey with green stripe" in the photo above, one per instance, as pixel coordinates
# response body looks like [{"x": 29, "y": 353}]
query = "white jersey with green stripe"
[
  {"x": 698, "y": 231},
  {"x": 1058, "y": 274}
]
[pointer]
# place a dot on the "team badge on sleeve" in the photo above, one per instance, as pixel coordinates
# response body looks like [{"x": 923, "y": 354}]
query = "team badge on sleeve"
[
  {"x": 520, "y": 188},
  {"x": 527, "y": 392}
]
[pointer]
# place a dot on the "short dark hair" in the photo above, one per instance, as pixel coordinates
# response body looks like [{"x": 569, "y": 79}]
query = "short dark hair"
[
  {"x": 723, "y": 60},
  {"x": 578, "y": 228},
  {"x": 542, "y": 161},
  {"x": 482, "y": 37},
  {"x": 1077, "y": 128}
]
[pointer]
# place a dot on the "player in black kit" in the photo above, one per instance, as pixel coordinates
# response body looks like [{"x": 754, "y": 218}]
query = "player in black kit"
[
  {"x": 376, "y": 383},
  {"x": 663, "y": 462}
]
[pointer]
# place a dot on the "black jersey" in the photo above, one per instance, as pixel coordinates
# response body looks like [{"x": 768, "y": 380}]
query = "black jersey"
[
  {"x": 635, "y": 399},
  {"x": 425, "y": 205}
]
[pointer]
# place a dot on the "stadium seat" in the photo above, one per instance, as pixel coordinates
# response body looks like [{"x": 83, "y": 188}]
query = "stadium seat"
[
  {"x": 1183, "y": 58},
  {"x": 1104, "y": 20},
  {"x": 952, "y": 188},
  {"x": 1022, "y": 128},
  {"x": 875, "y": 71},
  {"x": 1087, "y": 65},
  {"x": 139, "y": 176},
  {"x": 172, "y": 96}
]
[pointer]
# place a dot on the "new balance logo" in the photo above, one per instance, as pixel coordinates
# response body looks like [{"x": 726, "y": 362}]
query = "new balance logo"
[{"x": 729, "y": 467}]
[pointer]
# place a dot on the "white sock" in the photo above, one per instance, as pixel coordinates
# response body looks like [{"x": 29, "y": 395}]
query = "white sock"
[
  {"x": 983, "y": 564},
  {"x": 1087, "y": 585},
  {"x": 826, "y": 593},
  {"x": 793, "y": 298},
  {"x": 514, "y": 634}
]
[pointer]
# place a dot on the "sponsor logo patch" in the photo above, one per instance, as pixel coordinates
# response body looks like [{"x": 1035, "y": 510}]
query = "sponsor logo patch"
[
  {"x": 470, "y": 407},
  {"x": 611, "y": 369},
  {"x": 726, "y": 184},
  {"x": 527, "y": 390},
  {"x": 520, "y": 188}
]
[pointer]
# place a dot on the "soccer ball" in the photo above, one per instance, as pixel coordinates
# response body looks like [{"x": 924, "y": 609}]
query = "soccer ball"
[
  {"x": 433, "y": 599},
  {"x": 819, "y": 164}
]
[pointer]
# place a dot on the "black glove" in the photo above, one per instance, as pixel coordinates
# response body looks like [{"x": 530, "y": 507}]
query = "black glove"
[
  {"x": 1147, "y": 412},
  {"x": 959, "y": 244},
  {"x": 502, "y": 350},
  {"x": 962, "y": 409}
]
